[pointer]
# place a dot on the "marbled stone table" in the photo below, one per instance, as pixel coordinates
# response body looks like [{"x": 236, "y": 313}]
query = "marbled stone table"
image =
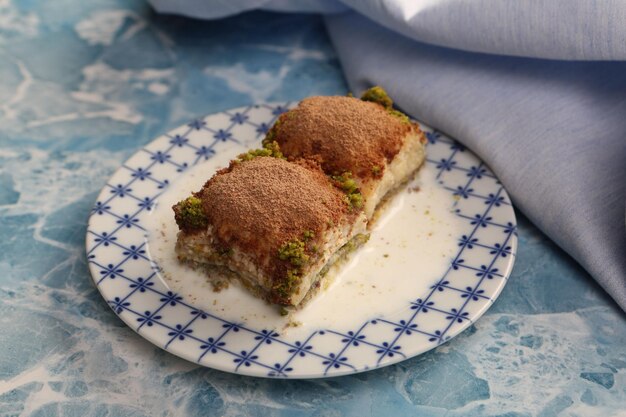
[{"x": 83, "y": 84}]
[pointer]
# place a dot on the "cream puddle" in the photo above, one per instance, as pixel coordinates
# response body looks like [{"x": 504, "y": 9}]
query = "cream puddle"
[{"x": 411, "y": 246}]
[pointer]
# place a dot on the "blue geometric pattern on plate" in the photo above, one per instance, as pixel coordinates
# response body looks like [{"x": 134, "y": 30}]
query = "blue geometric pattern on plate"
[{"x": 127, "y": 277}]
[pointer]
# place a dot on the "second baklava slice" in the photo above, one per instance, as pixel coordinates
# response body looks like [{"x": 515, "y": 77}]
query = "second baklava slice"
[{"x": 363, "y": 144}]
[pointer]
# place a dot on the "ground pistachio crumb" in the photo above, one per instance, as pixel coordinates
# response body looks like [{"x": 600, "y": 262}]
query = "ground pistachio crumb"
[
  {"x": 294, "y": 252},
  {"x": 378, "y": 95},
  {"x": 403, "y": 117},
  {"x": 355, "y": 200},
  {"x": 269, "y": 149},
  {"x": 287, "y": 286},
  {"x": 349, "y": 186},
  {"x": 189, "y": 214}
]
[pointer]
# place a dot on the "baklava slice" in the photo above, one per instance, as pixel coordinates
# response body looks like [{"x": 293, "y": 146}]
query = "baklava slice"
[
  {"x": 277, "y": 225},
  {"x": 364, "y": 144}
]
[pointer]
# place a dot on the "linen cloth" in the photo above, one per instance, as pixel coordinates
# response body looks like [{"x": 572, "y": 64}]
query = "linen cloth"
[{"x": 535, "y": 88}]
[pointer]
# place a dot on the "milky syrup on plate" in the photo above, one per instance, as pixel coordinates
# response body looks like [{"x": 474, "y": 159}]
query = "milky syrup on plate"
[{"x": 410, "y": 248}]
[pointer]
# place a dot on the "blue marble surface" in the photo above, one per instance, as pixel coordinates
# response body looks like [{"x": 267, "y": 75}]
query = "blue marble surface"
[{"x": 82, "y": 86}]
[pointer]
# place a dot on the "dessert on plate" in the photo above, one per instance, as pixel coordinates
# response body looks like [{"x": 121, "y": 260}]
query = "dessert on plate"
[
  {"x": 278, "y": 218},
  {"x": 364, "y": 140},
  {"x": 277, "y": 225}
]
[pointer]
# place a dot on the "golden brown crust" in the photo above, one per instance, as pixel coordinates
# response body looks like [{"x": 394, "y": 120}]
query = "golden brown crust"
[
  {"x": 345, "y": 134},
  {"x": 261, "y": 204}
]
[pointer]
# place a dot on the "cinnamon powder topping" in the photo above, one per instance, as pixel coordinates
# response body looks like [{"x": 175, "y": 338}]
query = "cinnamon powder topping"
[
  {"x": 345, "y": 134},
  {"x": 261, "y": 204}
]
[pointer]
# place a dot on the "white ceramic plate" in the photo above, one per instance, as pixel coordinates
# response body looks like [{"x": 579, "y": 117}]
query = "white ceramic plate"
[{"x": 437, "y": 259}]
